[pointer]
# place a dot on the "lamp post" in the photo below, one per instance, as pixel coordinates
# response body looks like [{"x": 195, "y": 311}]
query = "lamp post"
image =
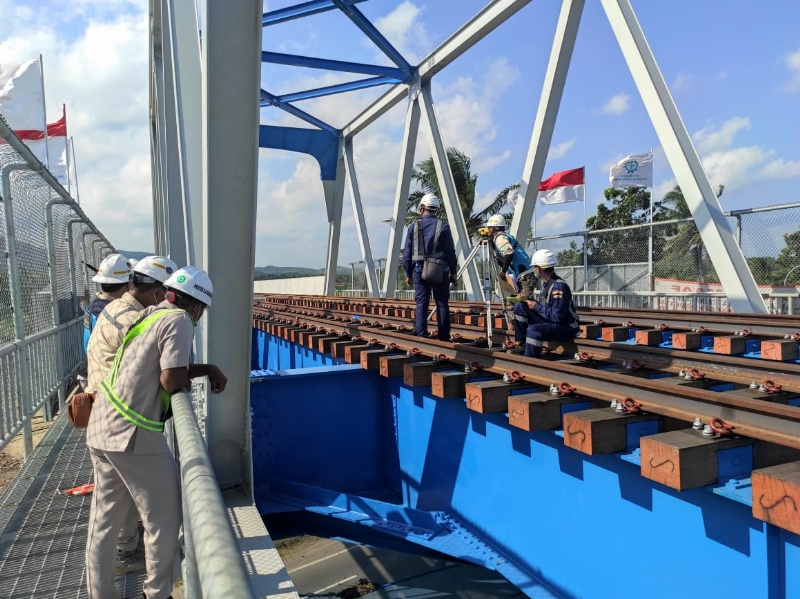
[{"x": 380, "y": 262}]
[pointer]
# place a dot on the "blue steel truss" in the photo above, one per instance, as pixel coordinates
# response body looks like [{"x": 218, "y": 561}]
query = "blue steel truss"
[{"x": 402, "y": 72}]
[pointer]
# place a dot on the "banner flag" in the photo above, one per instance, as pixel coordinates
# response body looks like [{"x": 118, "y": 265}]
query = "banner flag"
[
  {"x": 22, "y": 95},
  {"x": 564, "y": 186},
  {"x": 55, "y": 147},
  {"x": 631, "y": 171}
]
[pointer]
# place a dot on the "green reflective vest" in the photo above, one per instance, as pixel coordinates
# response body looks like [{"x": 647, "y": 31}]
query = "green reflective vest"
[{"x": 107, "y": 385}]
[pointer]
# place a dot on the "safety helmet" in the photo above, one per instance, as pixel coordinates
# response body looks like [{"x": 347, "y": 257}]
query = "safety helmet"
[
  {"x": 132, "y": 262},
  {"x": 193, "y": 282},
  {"x": 429, "y": 201},
  {"x": 496, "y": 220},
  {"x": 113, "y": 270},
  {"x": 543, "y": 259},
  {"x": 155, "y": 267}
]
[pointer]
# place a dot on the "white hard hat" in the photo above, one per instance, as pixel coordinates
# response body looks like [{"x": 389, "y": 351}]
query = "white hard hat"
[
  {"x": 155, "y": 267},
  {"x": 429, "y": 201},
  {"x": 496, "y": 220},
  {"x": 132, "y": 262},
  {"x": 543, "y": 259},
  {"x": 113, "y": 270},
  {"x": 192, "y": 281}
]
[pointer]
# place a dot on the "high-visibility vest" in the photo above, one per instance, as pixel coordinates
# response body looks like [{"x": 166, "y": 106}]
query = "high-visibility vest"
[{"x": 107, "y": 385}]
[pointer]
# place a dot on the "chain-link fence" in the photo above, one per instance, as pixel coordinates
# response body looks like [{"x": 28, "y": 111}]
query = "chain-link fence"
[
  {"x": 666, "y": 266},
  {"x": 48, "y": 244}
]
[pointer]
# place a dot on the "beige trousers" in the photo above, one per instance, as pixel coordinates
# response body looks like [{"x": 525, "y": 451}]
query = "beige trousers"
[{"x": 152, "y": 481}]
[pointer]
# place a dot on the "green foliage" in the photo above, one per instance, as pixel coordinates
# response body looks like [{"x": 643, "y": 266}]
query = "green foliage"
[{"x": 424, "y": 174}]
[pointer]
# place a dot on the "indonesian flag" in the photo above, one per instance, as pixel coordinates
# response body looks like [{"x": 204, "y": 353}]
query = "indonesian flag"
[
  {"x": 22, "y": 95},
  {"x": 54, "y": 148},
  {"x": 566, "y": 186}
]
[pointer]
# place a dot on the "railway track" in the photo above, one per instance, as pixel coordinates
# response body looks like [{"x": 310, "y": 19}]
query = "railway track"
[{"x": 622, "y": 382}]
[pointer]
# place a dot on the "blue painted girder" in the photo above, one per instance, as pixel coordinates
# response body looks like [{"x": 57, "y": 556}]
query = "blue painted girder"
[{"x": 301, "y": 10}]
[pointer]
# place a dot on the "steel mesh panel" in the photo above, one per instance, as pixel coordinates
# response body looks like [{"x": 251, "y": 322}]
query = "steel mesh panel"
[
  {"x": 29, "y": 195},
  {"x": 770, "y": 240},
  {"x": 66, "y": 308},
  {"x": 43, "y": 532},
  {"x": 6, "y": 313}
]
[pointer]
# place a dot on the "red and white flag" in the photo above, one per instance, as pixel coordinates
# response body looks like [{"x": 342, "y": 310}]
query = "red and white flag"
[
  {"x": 54, "y": 148},
  {"x": 565, "y": 186},
  {"x": 22, "y": 95}
]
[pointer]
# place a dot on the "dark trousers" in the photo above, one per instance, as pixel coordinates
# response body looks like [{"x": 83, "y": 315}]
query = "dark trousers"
[
  {"x": 422, "y": 295},
  {"x": 530, "y": 327}
]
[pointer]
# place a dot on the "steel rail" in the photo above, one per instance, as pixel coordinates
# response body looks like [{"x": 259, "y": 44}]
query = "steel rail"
[
  {"x": 716, "y": 322},
  {"x": 725, "y": 367},
  {"x": 756, "y": 418}
]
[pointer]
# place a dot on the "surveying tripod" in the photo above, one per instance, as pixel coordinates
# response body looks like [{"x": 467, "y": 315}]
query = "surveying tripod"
[{"x": 490, "y": 273}]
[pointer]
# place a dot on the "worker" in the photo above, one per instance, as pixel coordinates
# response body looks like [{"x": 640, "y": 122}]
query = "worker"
[
  {"x": 146, "y": 289},
  {"x": 113, "y": 276},
  {"x": 430, "y": 237},
  {"x": 511, "y": 257},
  {"x": 549, "y": 317},
  {"x": 128, "y": 450}
]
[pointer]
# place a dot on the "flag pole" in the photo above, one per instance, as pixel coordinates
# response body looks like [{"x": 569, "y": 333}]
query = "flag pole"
[
  {"x": 66, "y": 147},
  {"x": 585, "y": 243},
  {"x": 44, "y": 113},
  {"x": 74, "y": 170}
]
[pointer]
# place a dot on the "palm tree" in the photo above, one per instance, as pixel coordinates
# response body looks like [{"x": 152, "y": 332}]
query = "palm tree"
[{"x": 424, "y": 174}]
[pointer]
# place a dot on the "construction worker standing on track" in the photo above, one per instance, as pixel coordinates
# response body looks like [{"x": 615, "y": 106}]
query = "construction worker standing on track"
[
  {"x": 430, "y": 237},
  {"x": 551, "y": 317},
  {"x": 146, "y": 289},
  {"x": 113, "y": 276},
  {"x": 511, "y": 257},
  {"x": 128, "y": 450}
]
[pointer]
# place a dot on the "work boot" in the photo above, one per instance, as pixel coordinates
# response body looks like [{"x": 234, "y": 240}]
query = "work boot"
[
  {"x": 126, "y": 547},
  {"x": 517, "y": 350}
]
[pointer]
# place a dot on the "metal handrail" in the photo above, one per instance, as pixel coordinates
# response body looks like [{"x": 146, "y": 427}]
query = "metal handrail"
[{"x": 210, "y": 544}]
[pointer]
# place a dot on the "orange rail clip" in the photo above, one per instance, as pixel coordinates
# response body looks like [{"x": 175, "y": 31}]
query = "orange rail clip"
[{"x": 84, "y": 489}]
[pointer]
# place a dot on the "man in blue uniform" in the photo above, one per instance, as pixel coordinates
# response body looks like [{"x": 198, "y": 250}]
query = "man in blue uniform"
[
  {"x": 430, "y": 237},
  {"x": 551, "y": 316}
]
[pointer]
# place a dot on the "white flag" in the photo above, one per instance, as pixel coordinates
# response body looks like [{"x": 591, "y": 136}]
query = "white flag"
[
  {"x": 22, "y": 95},
  {"x": 633, "y": 170}
]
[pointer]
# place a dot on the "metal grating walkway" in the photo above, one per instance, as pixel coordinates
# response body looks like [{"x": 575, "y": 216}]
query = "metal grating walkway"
[{"x": 43, "y": 532}]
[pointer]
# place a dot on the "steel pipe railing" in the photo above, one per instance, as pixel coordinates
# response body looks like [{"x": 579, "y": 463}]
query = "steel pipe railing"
[{"x": 211, "y": 549}]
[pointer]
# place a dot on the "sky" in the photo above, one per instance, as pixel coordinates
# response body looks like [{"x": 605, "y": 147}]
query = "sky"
[{"x": 732, "y": 66}]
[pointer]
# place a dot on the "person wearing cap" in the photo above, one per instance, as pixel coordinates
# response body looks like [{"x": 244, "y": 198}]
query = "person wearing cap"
[
  {"x": 551, "y": 316},
  {"x": 125, "y": 434},
  {"x": 430, "y": 237},
  {"x": 146, "y": 289},
  {"x": 113, "y": 276}
]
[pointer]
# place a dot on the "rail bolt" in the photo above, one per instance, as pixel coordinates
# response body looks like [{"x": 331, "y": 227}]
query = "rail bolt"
[
  {"x": 554, "y": 390},
  {"x": 682, "y": 373},
  {"x": 620, "y": 408},
  {"x": 697, "y": 424},
  {"x": 506, "y": 378},
  {"x": 614, "y": 404},
  {"x": 754, "y": 385},
  {"x": 708, "y": 431}
]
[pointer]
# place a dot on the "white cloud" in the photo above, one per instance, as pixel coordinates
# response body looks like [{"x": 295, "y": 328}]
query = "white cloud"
[
  {"x": 405, "y": 31},
  {"x": 682, "y": 83},
  {"x": 709, "y": 139},
  {"x": 96, "y": 62},
  {"x": 560, "y": 150},
  {"x": 557, "y": 220},
  {"x": 617, "y": 105},
  {"x": 793, "y": 64}
]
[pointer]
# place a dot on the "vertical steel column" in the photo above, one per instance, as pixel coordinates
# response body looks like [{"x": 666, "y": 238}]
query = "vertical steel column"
[
  {"x": 549, "y": 101},
  {"x": 451, "y": 204},
  {"x": 51, "y": 258},
  {"x": 726, "y": 255},
  {"x": 17, "y": 307},
  {"x": 401, "y": 192},
  {"x": 358, "y": 211},
  {"x": 230, "y": 117},
  {"x": 334, "y": 200},
  {"x": 184, "y": 44}
]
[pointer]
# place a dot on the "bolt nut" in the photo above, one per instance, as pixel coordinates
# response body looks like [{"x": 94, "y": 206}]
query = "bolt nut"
[
  {"x": 620, "y": 409},
  {"x": 614, "y": 404},
  {"x": 753, "y": 385},
  {"x": 697, "y": 424},
  {"x": 708, "y": 431}
]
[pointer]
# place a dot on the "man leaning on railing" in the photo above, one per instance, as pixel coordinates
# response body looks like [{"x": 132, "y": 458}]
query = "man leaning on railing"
[{"x": 129, "y": 452}]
